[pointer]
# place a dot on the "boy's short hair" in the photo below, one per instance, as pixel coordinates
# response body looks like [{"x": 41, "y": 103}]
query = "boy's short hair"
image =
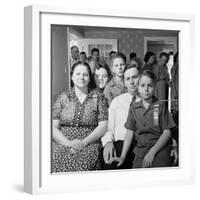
[
  {"x": 94, "y": 50},
  {"x": 112, "y": 52},
  {"x": 132, "y": 66},
  {"x": 83, "y": 53},
  {"x": 73, "y": 47},
  {"x": 149, "y": 74},
  {"x": 118, "y": 55}
]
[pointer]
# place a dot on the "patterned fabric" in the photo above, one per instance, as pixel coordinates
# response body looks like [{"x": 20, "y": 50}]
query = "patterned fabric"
[{"x": 77, "y": 121}]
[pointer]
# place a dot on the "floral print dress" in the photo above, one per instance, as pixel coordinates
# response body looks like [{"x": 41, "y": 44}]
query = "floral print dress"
[{"x": 77, "y": 121}]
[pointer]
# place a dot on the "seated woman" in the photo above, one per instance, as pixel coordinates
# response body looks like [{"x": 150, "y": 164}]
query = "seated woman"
[
  {"x": 79, "y": 121},
  {"x": 102, "y": 75}
]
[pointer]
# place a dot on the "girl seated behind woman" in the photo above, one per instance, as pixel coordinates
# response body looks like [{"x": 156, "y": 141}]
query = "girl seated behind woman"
[
  {"x": 150, "y": 122},
  {"x": 79, "y": 121},
  {"x": 102, "y": 76}
]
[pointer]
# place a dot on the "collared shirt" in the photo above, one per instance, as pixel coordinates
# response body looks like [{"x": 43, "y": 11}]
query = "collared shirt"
[
  {"x": 148, "y": 124},
  {"x": 118, "y": 113},
  {"x": 113, "y": 89}
]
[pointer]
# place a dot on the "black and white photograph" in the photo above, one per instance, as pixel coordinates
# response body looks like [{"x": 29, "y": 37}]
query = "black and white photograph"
[
  {"x": 107, "y": 99},
  {"x": 114, "y": 98}
]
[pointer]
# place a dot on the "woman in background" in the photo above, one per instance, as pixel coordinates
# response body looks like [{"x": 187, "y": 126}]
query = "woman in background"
[
  {"x": 79, "y": 121},
  {"x": 150, "y": 60},
  {"x": 162, "y": 77}
]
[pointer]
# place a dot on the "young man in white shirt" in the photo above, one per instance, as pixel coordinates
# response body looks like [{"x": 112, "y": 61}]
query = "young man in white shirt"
[{"x": 118, "y": 113}]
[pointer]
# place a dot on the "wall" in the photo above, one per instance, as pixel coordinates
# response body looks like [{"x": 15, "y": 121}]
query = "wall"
[
  {"x": 59, "y": 59},
  {"x": 129, "y": 40}
]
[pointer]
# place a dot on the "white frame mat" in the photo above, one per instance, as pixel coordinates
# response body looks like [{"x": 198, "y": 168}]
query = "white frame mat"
[{"x": 37, "y": 136}]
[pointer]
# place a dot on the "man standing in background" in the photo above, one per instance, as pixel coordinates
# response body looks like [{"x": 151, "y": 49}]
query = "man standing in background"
[{"x": 74, "y": 55}]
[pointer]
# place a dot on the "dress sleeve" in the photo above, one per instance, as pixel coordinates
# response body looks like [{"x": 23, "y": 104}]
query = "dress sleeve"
[
  {"x": 109, "y": 135},
  {"x": 131, "y": 122},
  {"x": 102, "y": 108},
  {"x": 166, "y": 120},
  {"x": 107, "y": 94},
  {"x": 57, "y": 107}
]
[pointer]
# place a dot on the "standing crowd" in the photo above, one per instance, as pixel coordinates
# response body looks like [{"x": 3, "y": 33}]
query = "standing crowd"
[{"x": 116, "y": 114}]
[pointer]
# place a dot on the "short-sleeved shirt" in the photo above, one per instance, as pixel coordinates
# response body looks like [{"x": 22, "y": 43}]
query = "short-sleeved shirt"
[
  {"x": 113, "y": 89},
  {"x": 148, "y": 124}
]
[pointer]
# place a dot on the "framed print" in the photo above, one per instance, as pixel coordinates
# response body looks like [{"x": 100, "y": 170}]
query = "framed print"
[{"x": 67, "y": 118}]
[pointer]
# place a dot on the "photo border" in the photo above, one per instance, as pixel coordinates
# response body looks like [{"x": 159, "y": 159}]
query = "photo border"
[{"x": 37, "y": 71}]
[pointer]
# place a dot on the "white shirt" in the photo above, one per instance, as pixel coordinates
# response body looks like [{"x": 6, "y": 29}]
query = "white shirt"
[{"x": 118, "y": 113}]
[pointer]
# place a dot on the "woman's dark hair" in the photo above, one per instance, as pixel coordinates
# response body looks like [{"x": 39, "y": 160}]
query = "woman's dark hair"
[
  {"x": 104, "y": 66},
  {"x": 164, "y": 54},
  {"x": 176, "y": 57},
  {"x": 149, "y": 74},
  {"x": 138, "y": 61},
  {"x": 91, "y": 83},
  {"x": 147, "y": 55},
  {"x": 132, "y": 55}
]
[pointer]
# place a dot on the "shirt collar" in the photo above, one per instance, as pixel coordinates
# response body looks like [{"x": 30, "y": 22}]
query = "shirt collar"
[
  {"x": 90, "y": 94},
  {"x": 139, "y": 104},
  {"x": 114, "y": 82}
]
